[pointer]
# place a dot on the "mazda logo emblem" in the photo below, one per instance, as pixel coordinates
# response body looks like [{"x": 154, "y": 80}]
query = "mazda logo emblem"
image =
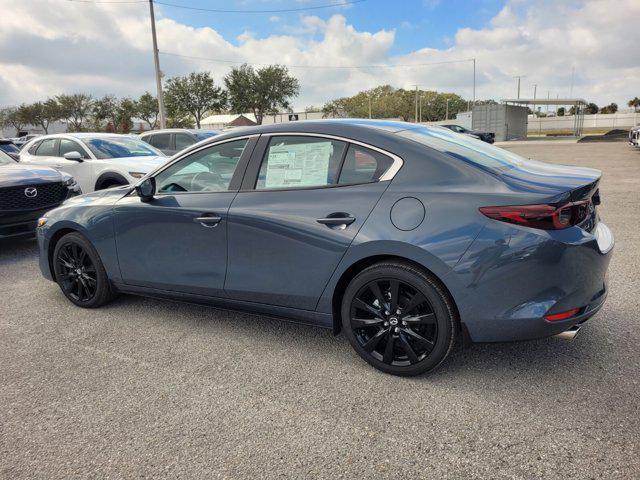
[{"x": 30, "y": 192}]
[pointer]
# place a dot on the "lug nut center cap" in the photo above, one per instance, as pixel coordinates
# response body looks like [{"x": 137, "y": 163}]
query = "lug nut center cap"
[{"x": 393, "y": 321}]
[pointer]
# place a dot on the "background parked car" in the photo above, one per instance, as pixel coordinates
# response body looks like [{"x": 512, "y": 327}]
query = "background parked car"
[
  {"x": 488, "y": 137},
  {"x": 96, "y": 160},
  {"x": 170, "y": 141},
  {"x": 27, "y": 192},
  {"x": 634, "y": 136},
  {"x": 22, "y": 141},
  {"x": 8, "y": 147}
]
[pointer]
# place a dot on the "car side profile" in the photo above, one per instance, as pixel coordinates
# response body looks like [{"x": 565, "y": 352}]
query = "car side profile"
[
  {"x": 27, "y": 192},
  {"x": 172, "y": 140},
  {"x": 405, "y": 238},
  {"x": 96, "y": 160}
]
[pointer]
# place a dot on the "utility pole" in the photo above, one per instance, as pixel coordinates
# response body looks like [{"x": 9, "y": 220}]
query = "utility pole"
[
  {"x": 420, "y": 114},
  {"x": 369, "y": 96},
  {"x": 156, "y": 60},
  {"x": 573, "y": 71},
  {"x": 519, "y": 77},
  {"x": 474, "y": 82},
  {"x": 416, "y": 117},
  {"x": 447, "y": 114}
]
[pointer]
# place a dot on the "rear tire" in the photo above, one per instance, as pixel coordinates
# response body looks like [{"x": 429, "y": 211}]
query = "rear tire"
[
  {"x": 80, "y": 273},
  {"x": 399, "y": 319}
]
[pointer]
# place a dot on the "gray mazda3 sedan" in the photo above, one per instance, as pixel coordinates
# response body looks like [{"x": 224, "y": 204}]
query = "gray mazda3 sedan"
[{"x": 406, "y": 238}]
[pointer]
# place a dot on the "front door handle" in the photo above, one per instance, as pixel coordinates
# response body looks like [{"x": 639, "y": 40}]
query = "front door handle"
[
  {"x": 338, "y": 221},
  {"x": 208, "y": 221}
]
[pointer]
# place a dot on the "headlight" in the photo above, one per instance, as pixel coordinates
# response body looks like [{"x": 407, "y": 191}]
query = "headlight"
[
  {"x": 69, "y": 182},
  {"x": 137, "y": 174}
]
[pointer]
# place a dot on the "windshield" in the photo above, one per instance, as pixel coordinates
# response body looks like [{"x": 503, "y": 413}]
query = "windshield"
[
  {"x": 5, "y": 159},
  {"x": 119, "y": 147},
  {"x": 464, "y": 147},
  {"x": 9, "y": 147},
  {"x": 204, "y": 135}
]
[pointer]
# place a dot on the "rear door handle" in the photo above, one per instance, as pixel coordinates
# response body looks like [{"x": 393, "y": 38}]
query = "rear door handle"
[
  {"x": 208, "y": 221},
  {"x": 339, "y": 221}
]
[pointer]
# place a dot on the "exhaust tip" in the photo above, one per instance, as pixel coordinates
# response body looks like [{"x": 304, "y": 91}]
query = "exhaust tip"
[{"x": 569, "y": 334}]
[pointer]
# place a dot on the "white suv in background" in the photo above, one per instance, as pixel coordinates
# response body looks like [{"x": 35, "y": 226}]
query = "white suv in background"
[{"x": 95, "y": 160}]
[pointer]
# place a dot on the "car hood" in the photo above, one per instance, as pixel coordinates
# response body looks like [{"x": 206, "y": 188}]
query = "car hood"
[
  {"x": 17, "y": 175},
  {"x": 139, "y": 164},
  {"x": 107, "y": 196}
]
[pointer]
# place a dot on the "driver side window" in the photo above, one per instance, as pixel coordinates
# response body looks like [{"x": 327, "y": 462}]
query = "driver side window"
[{"x": 208, "y": 170}]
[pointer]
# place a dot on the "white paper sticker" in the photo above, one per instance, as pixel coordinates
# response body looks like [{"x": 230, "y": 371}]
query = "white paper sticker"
[{"x": 298, "y": 165}]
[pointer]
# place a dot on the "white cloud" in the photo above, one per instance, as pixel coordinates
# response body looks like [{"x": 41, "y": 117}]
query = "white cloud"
[{"x": 51, "y": 46}]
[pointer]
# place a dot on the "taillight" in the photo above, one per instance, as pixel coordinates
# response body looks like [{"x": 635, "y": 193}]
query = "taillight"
[
  {"x": 555, "y": 317},
  {"x": 543, "y": 216}
]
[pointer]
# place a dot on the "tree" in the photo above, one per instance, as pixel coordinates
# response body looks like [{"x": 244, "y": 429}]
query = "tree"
[
  {"x": 263, "y": 91},
  {"x": 147, "y": 109},
  {"x": 591, "y": 109},
  {"x": 127, "y": 109},
  {"x": 388, "y": 102},
  {"x": 75, "y": 109},
  {"x": 195, "y": 95},
  {"x": 16, "y": 117},
  {"x": 560, "y": 112},
  {"x": 104, "y": 110},
  {"x": 634, "y": 103},
  {"x": 611, "y": 108}
]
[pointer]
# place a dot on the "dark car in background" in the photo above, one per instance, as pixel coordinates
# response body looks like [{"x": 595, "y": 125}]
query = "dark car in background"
[
  {"x": 27, "y": 192},
  {"x": 172, "y": 140},
  {"x": 404, "y": 237},
  {"x": 7, "y": 146},
  {"x": 488, "y": 137}
]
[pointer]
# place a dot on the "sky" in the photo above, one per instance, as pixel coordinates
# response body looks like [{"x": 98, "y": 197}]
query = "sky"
[{"x": 103, "y": 47}]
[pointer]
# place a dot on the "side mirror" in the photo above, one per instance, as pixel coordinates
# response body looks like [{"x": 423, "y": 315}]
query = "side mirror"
[
  {"x": 146, "y": 189},
  {"x": 75, "y": 156}
]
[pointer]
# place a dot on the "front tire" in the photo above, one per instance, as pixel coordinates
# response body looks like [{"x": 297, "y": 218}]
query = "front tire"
[
  {"x": 399, "y": 319},
  {"x": 80, "y": 273}
]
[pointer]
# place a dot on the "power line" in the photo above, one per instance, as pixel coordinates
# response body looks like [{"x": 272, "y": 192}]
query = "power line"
[
  {"x": 219, "y": 10},
  {"x": 398, "y": 65},
  {"x": 275, "y": 10}
]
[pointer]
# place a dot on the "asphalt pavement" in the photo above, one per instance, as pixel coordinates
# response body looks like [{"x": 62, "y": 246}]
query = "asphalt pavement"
[{"x": 145, "y": 388}]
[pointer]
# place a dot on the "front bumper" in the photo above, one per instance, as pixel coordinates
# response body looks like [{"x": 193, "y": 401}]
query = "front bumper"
[
  {"x": 19, "y": 224},
  {"x": 508, "y": 287}
]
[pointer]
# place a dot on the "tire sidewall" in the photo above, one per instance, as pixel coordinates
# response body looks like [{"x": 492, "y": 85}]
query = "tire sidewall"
[{"x": 445, "y": 317}]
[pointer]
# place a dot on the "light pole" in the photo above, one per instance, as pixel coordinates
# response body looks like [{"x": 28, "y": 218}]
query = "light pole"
[
  {"x": 447, "y": 114},
  {"x": 519, "y": 77},
  {"x": 369, "y": 106},
  {"x": 535, "y": 89},
  {"x": 416, "y": 117},
  {"x": 156, "y": 61}
]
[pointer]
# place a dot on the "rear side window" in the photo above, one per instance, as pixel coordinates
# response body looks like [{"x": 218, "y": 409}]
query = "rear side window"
[
  {"x": 161, "y": 141},
  {"x": 183, "y": 141},
  {"x": 47, "y": 148},
  {"x": 298, "y": 162},
  {"x": 67, "y": 146},
  {"x": 363, "y": 165},
  {"x": 33, "y": 148}
]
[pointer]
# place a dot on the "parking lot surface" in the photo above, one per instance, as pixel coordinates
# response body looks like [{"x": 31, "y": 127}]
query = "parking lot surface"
[{"x": 152, "y": 388}]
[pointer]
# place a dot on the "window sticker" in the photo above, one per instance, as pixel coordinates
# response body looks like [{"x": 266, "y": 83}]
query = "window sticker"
[{"x": 298, "y": 165}]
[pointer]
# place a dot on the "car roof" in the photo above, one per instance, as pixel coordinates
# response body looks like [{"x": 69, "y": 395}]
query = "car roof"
[{"x": 174, "y": 130}]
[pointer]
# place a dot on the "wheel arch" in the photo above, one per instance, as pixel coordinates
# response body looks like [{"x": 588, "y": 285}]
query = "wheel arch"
[
  {"x": 106, "y": 178},
  {"x": 53, "y": 241},
  {"x": 358, "y": 266}
]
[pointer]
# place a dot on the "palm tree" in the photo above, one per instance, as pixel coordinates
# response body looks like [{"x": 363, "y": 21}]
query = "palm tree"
[{"x": 635, "y": 103}]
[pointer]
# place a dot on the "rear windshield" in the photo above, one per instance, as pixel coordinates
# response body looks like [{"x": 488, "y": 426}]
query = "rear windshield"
[
  {"x": 464, "y": 147},
  {"x": 120, "y": 147}
]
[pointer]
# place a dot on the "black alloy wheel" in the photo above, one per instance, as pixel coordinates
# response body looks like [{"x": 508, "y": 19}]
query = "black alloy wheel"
[
  {"x": 399, "y": 319},
  {"x": 79, "y": 272}
]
